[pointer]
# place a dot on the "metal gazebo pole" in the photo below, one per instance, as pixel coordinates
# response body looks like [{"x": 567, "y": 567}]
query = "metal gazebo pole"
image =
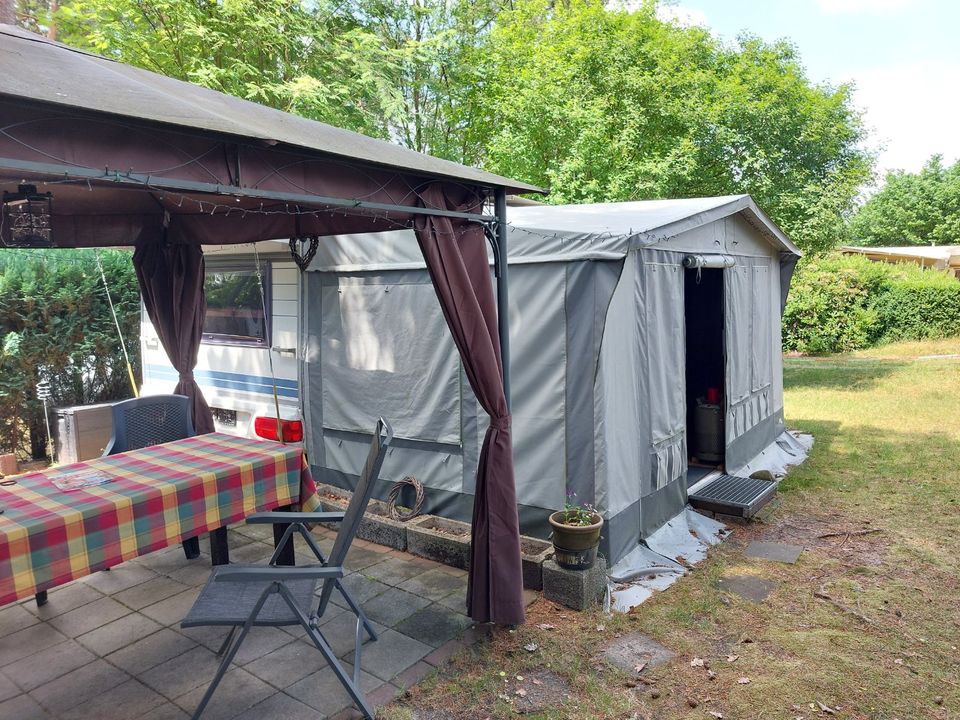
[{"x": 503, "y": 306}]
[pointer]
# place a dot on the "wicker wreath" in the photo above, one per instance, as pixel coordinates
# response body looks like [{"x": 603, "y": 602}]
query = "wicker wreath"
[{"x": 395, "y": 513}]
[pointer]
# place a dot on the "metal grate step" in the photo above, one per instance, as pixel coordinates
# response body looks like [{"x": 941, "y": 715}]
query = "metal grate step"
[{"x": 732, "y": 495}]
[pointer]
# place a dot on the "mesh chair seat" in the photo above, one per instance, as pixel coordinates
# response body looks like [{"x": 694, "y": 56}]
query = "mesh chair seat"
[{"x": 227, "y": 603}]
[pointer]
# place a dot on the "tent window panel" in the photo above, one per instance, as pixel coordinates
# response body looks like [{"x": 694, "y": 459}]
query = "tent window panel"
[
  {"x": 738, "y": 307},
  {"x": 386, "y": 350},
  {"x": 762, "y": 329},
  {"x": 538, "y": 364},
  {"x": 665, "y": 349}
]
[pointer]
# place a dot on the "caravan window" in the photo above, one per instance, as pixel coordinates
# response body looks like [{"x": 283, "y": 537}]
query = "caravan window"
[{"x": 234, "y": 307}]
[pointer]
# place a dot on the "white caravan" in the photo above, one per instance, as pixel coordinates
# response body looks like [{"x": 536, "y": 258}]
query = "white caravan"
[{"x": 233, "y": 365}]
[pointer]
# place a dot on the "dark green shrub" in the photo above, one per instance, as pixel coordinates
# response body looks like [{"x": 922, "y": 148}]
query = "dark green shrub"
[
  {"x": 840, "y": 303},
  {"x": 55, "y": 325},
  {"x": 911, "y": 310}
]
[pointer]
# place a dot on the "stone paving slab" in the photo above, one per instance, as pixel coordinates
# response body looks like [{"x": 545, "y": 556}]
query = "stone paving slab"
[
  {"x": 150, "y": 651},
  {"x": 391, "y": 654},
  {"x": 749, "y": 587},
  {"x": 323, "y": 692},
  {"x": 390, "y": 608},
  {"x": 110, "y": 646},
  {"x": 774, "y": 551},
  {"x": 118, "y": 634},
  {"x": 434, "y": 625},
  {"x": 14, "y": 618},
  {"x": 238, "y": 691},
  {"x": 47, "y": 665},
  {"x": 634, "y": 650}
]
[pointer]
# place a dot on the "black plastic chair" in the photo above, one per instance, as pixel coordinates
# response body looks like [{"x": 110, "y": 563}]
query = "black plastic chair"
[
  {"x": 152, "y": 420},
  {"x": 245, "y": 596}
]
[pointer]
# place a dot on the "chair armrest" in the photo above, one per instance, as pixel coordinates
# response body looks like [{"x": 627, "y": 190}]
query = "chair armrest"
[
  {"x": 276, "y": 572},
  {"x": 275, "y": 518}
]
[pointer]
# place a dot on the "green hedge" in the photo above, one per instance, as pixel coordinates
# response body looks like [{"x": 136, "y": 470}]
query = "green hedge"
[
  {"x": 840, "y": 303},
  {"x": 55, "y": 325}
]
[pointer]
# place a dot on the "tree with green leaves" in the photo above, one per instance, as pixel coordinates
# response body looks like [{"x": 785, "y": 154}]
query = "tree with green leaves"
[
  {"x": 913, "y": 208},
  {"x": 435, "y": 45},
  {"x": 594, "y": 102},
  {"x": 314, "y": 59},
  {"x": 55, "y": 325},
  {"x": 601, "y": 104}
]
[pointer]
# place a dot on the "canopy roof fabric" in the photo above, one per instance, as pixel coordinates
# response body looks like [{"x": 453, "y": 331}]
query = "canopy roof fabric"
[{"x": 35, "y": 67}]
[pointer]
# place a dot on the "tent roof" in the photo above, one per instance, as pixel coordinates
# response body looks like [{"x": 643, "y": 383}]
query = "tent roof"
[
  {"x": 562, "y": 233},
  {"x": 35, "y": 68},
  {"x": 644, "y": 222}
]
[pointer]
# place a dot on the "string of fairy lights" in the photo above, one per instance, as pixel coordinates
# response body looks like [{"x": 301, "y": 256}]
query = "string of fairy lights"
[
  {"x": 218, "y": 206},
  {"x": 212, "y": 207}
]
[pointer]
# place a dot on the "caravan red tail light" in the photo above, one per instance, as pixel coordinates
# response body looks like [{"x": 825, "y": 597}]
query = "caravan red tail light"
[{"x": 266, "y": 427}]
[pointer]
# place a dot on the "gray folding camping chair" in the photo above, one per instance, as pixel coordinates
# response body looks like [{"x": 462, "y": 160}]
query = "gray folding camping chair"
[
  {"x": 152, "y": 420},
  {"x": 244, "y": 596}
]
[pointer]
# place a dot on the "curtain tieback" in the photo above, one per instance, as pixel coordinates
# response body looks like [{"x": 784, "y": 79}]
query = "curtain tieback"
[
  {"x": 501, "y": 423},
  {"x": 186, "y": 376}
]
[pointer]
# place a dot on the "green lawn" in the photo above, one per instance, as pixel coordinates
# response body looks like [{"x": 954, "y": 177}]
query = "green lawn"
[{"x": 885, "y": 643}]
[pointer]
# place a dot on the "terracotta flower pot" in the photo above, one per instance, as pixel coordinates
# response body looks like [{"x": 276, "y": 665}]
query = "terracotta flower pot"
[{"x": 575, "y": 546}]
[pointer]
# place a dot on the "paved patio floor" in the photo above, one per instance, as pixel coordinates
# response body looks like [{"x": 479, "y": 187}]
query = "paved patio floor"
[{"x": 109, "y": 647}]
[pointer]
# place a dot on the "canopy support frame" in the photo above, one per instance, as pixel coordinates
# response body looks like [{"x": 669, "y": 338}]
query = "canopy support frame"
[{"x": 123, "y": 177}]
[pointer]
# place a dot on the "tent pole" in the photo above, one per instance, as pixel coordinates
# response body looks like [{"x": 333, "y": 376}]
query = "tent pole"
[{"x": 503, "y": 307}]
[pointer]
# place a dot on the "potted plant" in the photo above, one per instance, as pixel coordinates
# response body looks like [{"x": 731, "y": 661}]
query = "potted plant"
[{"x": 576, "y": 534}]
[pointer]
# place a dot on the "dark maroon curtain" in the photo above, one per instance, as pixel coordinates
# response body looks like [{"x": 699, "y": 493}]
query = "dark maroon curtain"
[
  {"x": 456, "y": 255},
  {"x": 171, "y": 283}
]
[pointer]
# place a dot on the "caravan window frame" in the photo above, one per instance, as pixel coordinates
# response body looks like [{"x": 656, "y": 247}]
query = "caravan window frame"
[{"x": 222, "y": 339}]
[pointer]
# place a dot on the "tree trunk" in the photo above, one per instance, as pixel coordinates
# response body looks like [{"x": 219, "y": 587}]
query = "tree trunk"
[
  {"x": 38, "y": 441},
  {"x": 52, "y": 31},
  {"x": 8, "y": 15}
]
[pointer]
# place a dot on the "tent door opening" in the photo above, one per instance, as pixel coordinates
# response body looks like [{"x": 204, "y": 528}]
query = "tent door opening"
[{"x": 705, "y": 370}]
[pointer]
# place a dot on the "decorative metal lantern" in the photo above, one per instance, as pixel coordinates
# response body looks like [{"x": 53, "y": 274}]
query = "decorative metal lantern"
[
  {"x": 27, "y": 213},
  {"x": 44, "y": 393},
  {"x": 302, "y": 249}
]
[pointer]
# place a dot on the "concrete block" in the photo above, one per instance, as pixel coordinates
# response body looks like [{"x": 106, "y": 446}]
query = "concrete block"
[
  {"x": 8, "y": 464},
  {"x": 533, "y": 553},
  {"x": 576, "y": 589},
  {"x": 377, "y": 526},
  {"x": 440, "y": 539}
]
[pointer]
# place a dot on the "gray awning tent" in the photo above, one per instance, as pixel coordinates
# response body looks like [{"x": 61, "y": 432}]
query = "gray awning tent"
[
  {"x": 601, "y": 400},
  {"x": 135, "y": 158}
]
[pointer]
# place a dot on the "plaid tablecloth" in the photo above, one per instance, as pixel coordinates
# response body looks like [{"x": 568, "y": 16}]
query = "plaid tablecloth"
[{"x": 158, "y": 496}]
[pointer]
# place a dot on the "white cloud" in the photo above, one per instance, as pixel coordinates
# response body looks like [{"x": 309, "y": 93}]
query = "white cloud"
[
  {"x": 683, "y": 16},
  {"x": 845, "y": 7},
  {"x": 912, "y": 111},
  {"x": 679, "y": 14}
]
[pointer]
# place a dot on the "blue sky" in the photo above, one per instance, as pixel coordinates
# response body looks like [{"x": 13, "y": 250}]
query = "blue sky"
[{"x": 902, "y": 55}]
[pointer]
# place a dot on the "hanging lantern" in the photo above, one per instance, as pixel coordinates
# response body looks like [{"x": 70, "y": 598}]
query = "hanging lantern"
[{"x": 26, "y": 218}]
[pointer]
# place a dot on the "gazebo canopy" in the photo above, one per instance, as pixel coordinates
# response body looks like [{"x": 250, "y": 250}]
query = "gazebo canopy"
[
  {"x": 130, "y": 157},
  {"x": 208, "y": 159}
]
